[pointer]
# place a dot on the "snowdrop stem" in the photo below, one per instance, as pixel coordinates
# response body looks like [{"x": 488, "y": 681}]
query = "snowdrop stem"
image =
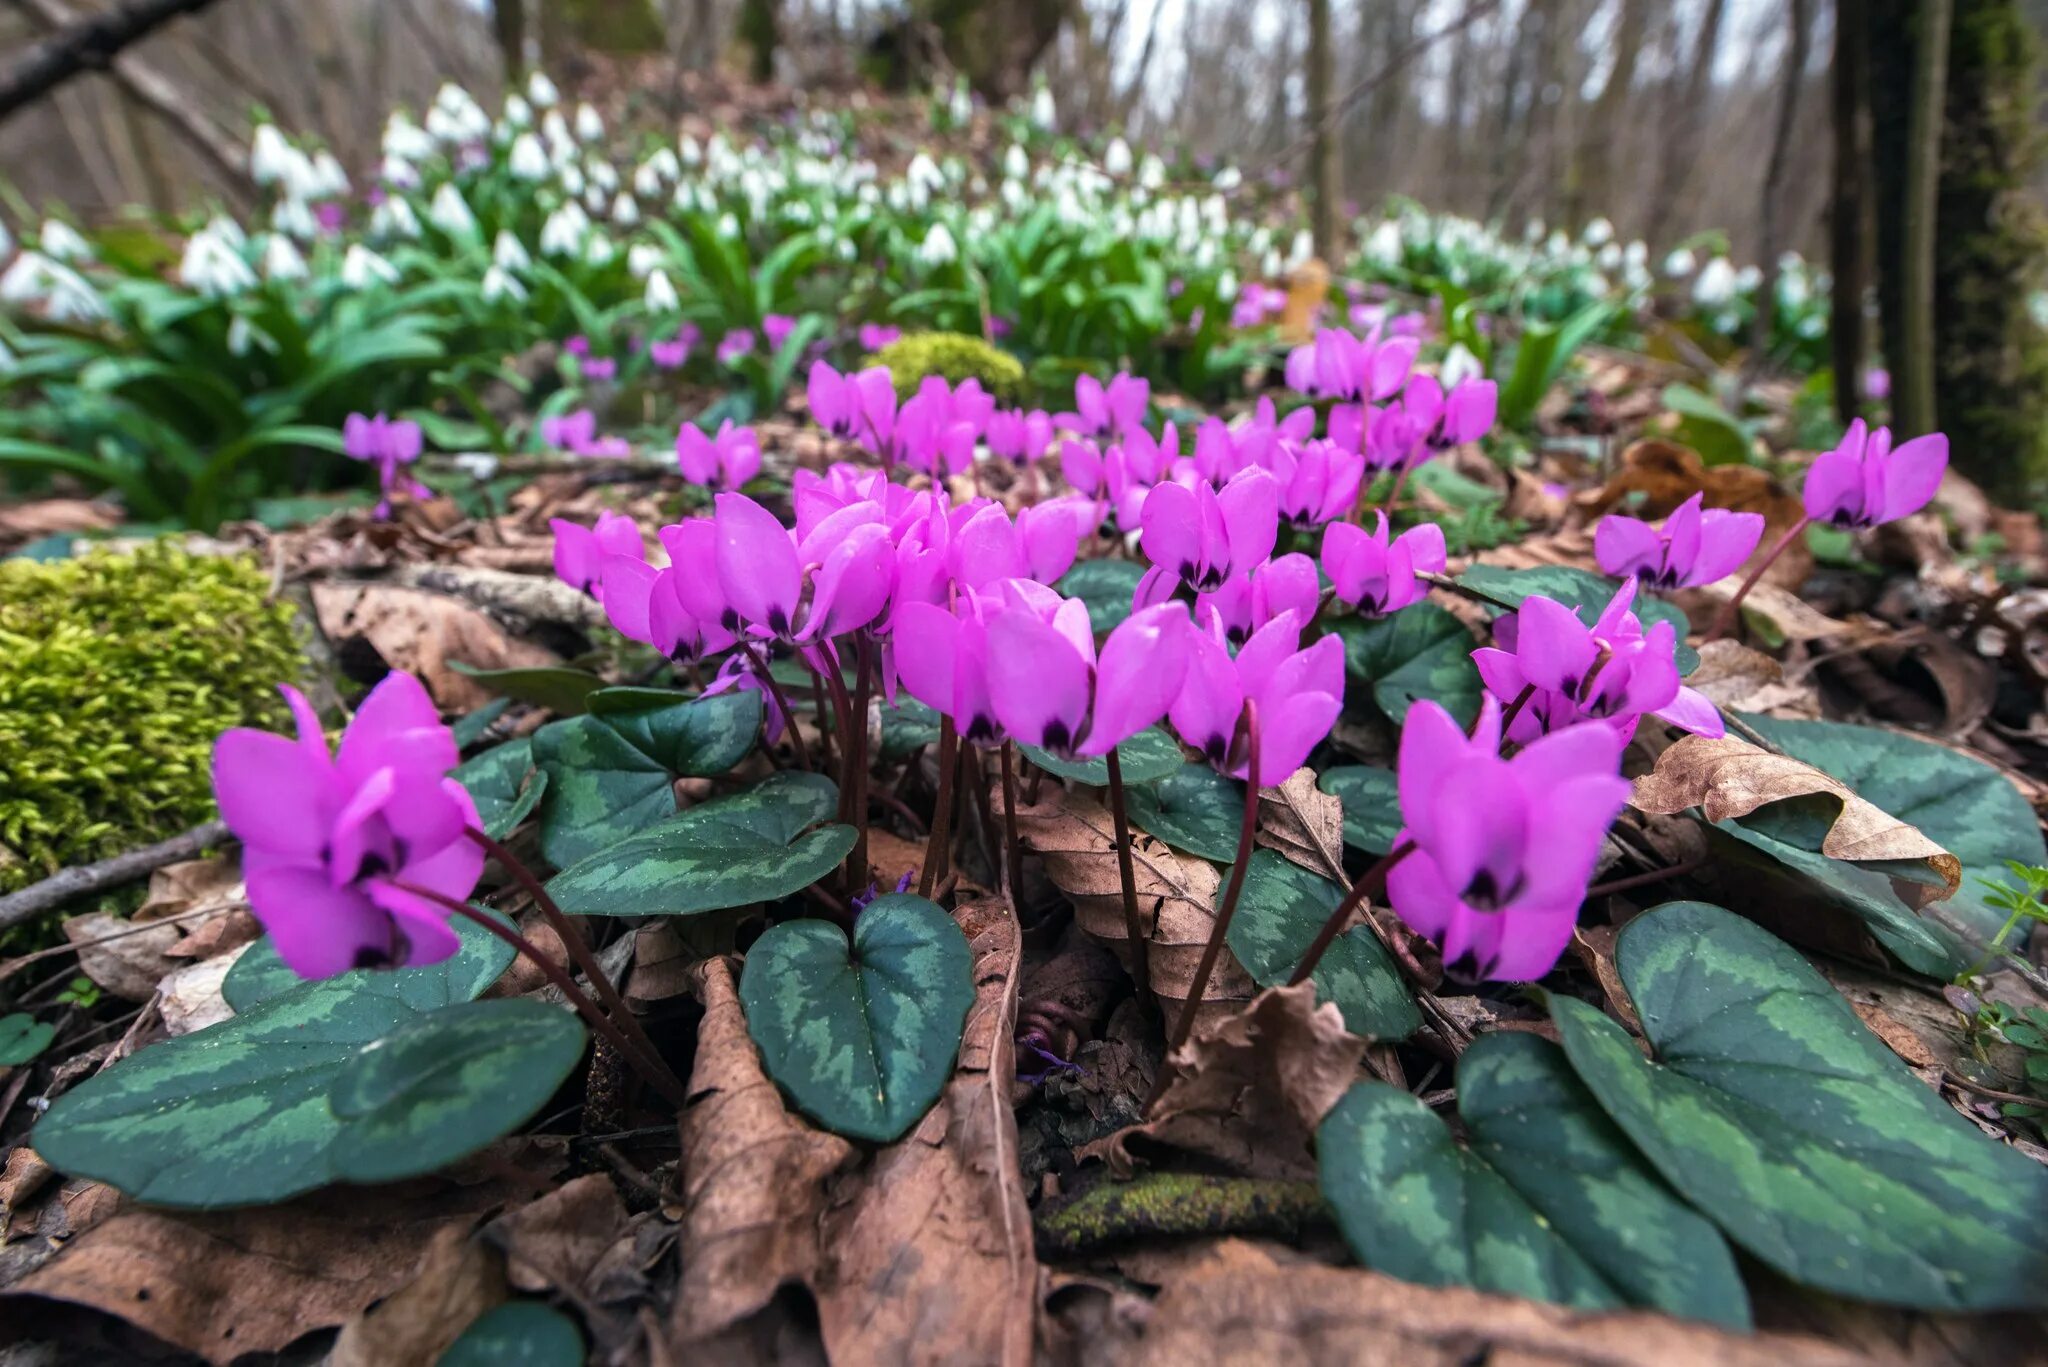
[
  {"x": 1134, "y": 929},
  {"x": 1013, "y": 862},
  {"x": 1369, "y": 884},
  {"x": 774, "y": 687},
  {"x": 1217, "y": 932},
  {"x": 942, "y": 810},
  {"x": 1724, "y": 620},
  {"x": 648, "y": 1066}
]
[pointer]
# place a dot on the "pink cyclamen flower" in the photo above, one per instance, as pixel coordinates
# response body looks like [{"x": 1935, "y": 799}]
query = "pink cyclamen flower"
[
  {"x": 671, "y": 354},
  {"x": 580, "y": 550},
  {"x": 726, "y": 461},
  {"x": 761, "y": 574},
  {"x": 860, "y": 406},
  {"x": 328, "y": 839},
  {"x": 600, "y": 368},
  {"x": 1249, "y": 601},
  {"x": 1319, "y": 481},
  {"x": 875, "y": 336},
  {"x": 1017, "y": 436},
  {"x": 1427, "y": 421},
  {"x": 1613, "y": 671},
  {"x": 737, "y": 673},
  {"x": 1048, "y": 688},
  {"x": 386, "y": 443},
  {"x": 1298, "y": 695},
  {"x": 1041, "y": 544},
  {"x": 1864, "y": 482},
  {"x": 937, "y": 427},
  {"x": 570, "y": 431},
  {"x": 1503, "y": 847},
  {"x": 577, "y": 346},
  {"x": 1342, "y": 365},
  {"x": 677, "y": 609},
  {"x": 1377, "y": 576},
  {"x": 1105, "y": 411},
  {"x": 1201, "y": 537},
  {"x": 735, "y": 344},
  {"x": 776, "y": 327},
  {"x": 1695, "y": 546}
]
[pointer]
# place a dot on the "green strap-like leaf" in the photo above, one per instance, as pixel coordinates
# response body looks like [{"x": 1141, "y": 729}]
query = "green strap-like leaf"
[
  {"x": 1422, "y": 651},
  {"x": 861, "y": 1042},
  {"x": 559, "y": 689},
  {"x": 1774, "y": 1111},
  {"x": 1279, "y": 911}
]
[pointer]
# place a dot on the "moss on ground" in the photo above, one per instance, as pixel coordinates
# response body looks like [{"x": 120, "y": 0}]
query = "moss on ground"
[{"x": 955, "y": 356}]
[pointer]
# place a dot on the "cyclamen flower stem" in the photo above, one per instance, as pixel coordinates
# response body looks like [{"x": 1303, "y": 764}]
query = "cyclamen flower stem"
[
  {"x": 842, "y": 728},
  {"x": 572, "y": 939},
  {"x": 1134, "y": 929},
  {"x": 864, "y": 667},
  {"x": 1013, "y": 862},
  {"x": 774, "y": 687},
  {"x": 1370, "y": 884},
  {"x": 1400, "y": 483},
  {"x": 818, "y": 710},
  {"x": 1641, "y": 880},
  {"x": 1724, "y": 620},
  {"x": 649, "y": 1068},
  {"x": 1521, "y": 701},
  {"x": 1217, "y": 933},
  {"x": 942, "y": 810}
]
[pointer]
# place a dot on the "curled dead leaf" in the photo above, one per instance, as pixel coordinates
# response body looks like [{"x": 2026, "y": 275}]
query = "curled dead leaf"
[
  {"x": 127, "y": 960},
  {"x": 422, "y": 631},
  {"x": 1666, "y": 474},
  {"x": 1304, "y": 824},
  {"x": 457, "y": 1280},
  {"x": 1736, "y": 678}
]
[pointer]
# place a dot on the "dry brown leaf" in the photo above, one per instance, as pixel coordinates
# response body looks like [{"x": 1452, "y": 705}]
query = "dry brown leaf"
[
  {"x": 1594, "y": 946},
  {"x": 1791, "y": 616},
  {"x": 1076, "y": 838},
  {"x": 126, "y": 959},
  {"x": 1248, "y": 1091},
  {"x": 576, "y": 1242},
  {"x": 24, "y": 1176},
  {"x": 1728, "y": 777},
  {"x": 225, "y": 1283},
  {"x": 1304, "y": 824},
  {"x": 457, "y": 1280},
  {"x": 931, "y": 1260},
  {"x": 189, "y": 998},
  {"x": 1308, "y": 292},
  {"x": 753, "y": 1176},
  {"x": 663, "y": 966},
  {"x": 1245, "y": 1306},
  {"x": 1667, "y": 474},
  {"x": 1573, "y": 549},
  {"x": 1736, "y": 678},
  {"x": 420, "y": 631}
]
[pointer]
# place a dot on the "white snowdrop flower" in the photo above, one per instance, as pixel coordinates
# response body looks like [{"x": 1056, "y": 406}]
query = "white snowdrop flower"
[
  {"x": 394, "y": 218},
  {"x": 1792, "y": 289},
  {"x": 1228, "y": 179},
  {"x": 1304, "y": 248},
  {"x": 444, "y": 128},
  {"x": 62, "y": 242},
  {"x": 329, "y": 179},
  {"x": 561, "y": 233},
  {"x": 1598, "y": 233},
  {"x": 66, "y": 296},
  {"x": 1226, "y": 286},
  {"x": 1384, "y": 247},
  {"x": 541, "y": 91},
  {"x": 518, "y": 113},
  {"x": 664, "y": 164},
  {"x": 1716, "y": 283},
  {"x": 362, "y": 268},
  {"x": 1680, "y": 263},
  {"x": 598, "y": 249},
  {"x": 1151, "y": 171},
  {"x": 405, "y": 139},
  {"x": 294, "y": 218},
  {"x": 241, "y": 335},
  {"x": 589, "y": 127},
  {"x": 1117, "y": 159},
  {"x": 554, "y": 130},
  {"x": 450, "y": 213},
  {"x": 398, "y": 174},
  {"x": 1043, "y": 112},
  {"x": 938, "y": 247},
  {"x": 601, "y": 173},
  {"x": 646, "y": 181},
  {"x": 846, "y": 250},
  {"x": 661, "y": 295},
  {"x": 961, "y": 109},
  {"x": 690, "y": 151},
  {"x": 1748, "y": 277},
  {"x": 571, "y": 180},
  {"x": 1270, "y": 264},
  {"x": 643, "y": 259},
  {"x": 594, "y": 200},
  {"x": 1459, "y": 365},
  {"x": 625, "y": 210},
  {"x": 480, "y": 465},
  {"x": 1636, "y": 253},
  {"x": 281, "y": 260},
  {"x": 728, "y": 226},
  {"x": 1608, "y": 257},
  {"x": 509, "y": 253},
  {"x": 1016, "y": 164},
  {"x": 211, "y": 266},
  {"x": 269, "y": 153},
  {"x": 528, "y": 160},
  {"x": 499, "y": 283}
]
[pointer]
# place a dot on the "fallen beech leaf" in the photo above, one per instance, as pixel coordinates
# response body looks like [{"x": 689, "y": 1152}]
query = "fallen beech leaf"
[
  {"x": 1304, "y": 824},
  {"x": 1308, "y": 291},
  {"x": 564, "y": 1242},
  {"x": 1791, "y": 616},
  {"x": 1667, "y": 474},
  {"x": 126, "y": 959},
  {"x": 932, "y": 1258},
  {"x": 420, "y": 631},
  {"x": 753, "y": 1176},
  {"x": 457, "y": 1280},
  {"x": 1075, "y": 836},
  {"x": 1244, "y": 1305},
  {"x": 1736, "y": 678},
  {"x": 1728, "y": 777},
  {"x": 1248, "y": 1090},
  {"x": 189, "y": 998},
  {"x": 43, "y": 517},
  {"x": 22, "y": 1178}
]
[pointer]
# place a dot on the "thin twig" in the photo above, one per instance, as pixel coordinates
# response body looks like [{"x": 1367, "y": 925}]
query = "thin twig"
[{"x": 62, "y": 886}]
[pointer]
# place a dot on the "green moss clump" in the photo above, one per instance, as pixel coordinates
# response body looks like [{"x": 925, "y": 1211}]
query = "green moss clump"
[
  {"x": 119, "y": 670},
  {"x": 955, "y": 356}
]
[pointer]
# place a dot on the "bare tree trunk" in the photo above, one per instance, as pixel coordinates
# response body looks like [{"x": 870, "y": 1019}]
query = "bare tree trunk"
[
  {"x": 1771, "y": 210},
  {"x": 1687, "y": 120},
  {"x": 1592, "y": 184},
  {"x": 1323, "y": 152},
  {"x": 1135, "y": 91},
  {"x": 508, "y": 24},
  {"x": 1913, "y": 349},
  {"x": 1849, "y": 244}
]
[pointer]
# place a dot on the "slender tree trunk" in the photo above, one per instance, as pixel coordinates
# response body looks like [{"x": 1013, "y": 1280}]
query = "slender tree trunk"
[
  {"x": 1687, "y": 121},
  {"x": 508, "y": 23},
  {"x": 1913, "y": 363},
  {"x": 1771, "y": 210},
  {"x": 1593, "y": 184},
  {"x": 1323, "y": 152},
  {"x": 1848, "y": 214}
]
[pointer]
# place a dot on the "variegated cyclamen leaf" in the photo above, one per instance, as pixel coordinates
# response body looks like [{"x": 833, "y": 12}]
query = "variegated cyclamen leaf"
[
  {"x": 1279, "y": 911},
  {"x": 517, "y": 1334},
  {"x": 1105, "y": 588},
  {"x": 601, "y": 789},
  {"x": 23, "y": 1038},
  {"x": 691, "y": 737},
  {"x": 1422, "y": 651},
  {"x": 1372, "y": 805},
  {"x": 448, "y": 1083},
  {"x": 1146, "y": 757},
  {"x": 1194, "y": 809},
  {"x": 464, "y": 976},
  {"x": 558, "y": 688},
  {"x": 504, "y": 785},
  {"x": 1773, "y": 1110},
  {"x": 862, "y": 1041},
  {"x": 752, "y": 846},
  {"x": 1548, "y": 1201}
]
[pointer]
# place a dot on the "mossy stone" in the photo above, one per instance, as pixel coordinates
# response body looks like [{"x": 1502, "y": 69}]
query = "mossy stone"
[{"x": 954, "y": 356}]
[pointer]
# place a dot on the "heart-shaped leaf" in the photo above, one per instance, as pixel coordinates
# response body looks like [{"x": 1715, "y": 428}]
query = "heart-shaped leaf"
[
  {"x": 1773, "y": 1110},
  {"x": 260, "y": 975},
  {"x": 517, "y": 1334},
  {"x": 1279, "y": 911},
  {"x": 504, "y": 784},
  {"x": 467, "y": 730},
  {"x": 861, "y": 1042},
  {"x": 907, "y": 727},
  {"x": 1422, "y": 651},
  {"x": 447, "y": 1083},
  {"x": 1105, "y": 588},
  {"x": 1145, "y": 758},
  {"x": 1372, "y": 805},
  {"x": 22, "y": 1038},
  {"x": 754, "y": 846},
  {"x": 559, "y": 689},
  {"x": 1584, "y": 591},
  {"x": 1548, "y": 1201},
  {"x": 689, "y": 736},
  {"x": 601, "y": 789},
  {"x": 1194, "y": 809}
]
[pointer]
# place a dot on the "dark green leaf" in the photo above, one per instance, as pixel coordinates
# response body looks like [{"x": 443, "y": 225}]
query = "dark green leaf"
[
  {"x": 1146, "y": 757},
  {"x": 689, "y": 737},
  {"x": 559, "y": 689},
  {"x": 1193, "y": 808},
  {"x": 517, "y": 1334},
  {"x": 753, "y": 846},
  {"x": 1584, "y": 591},
  {"x": 1774, "y": 1111},
  {"x": 1105, "y": 588},
  {"x": 468, "y": 730},
  {"x": 504, "y": 785},
  {"x": 601, "y": 789},
  {"x": 260, "y": 975},
  {"x": 22, "y": 1038},
  {"x": 1279, "y": 911},
  {"x": 907, "y": 727},
  {"x": 862, "y": 1044},
  {"x": 1372, "y": 805},
  {"x": 446, "y": 1084},
  {"x": 1422, "y": 651}
]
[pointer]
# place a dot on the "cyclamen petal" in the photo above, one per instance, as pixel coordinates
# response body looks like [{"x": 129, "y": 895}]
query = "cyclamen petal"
[
  {"x": 1040, "y": 693},
  {"x": 758, "y": 571},
  {"x": 1138, "y": 675}
]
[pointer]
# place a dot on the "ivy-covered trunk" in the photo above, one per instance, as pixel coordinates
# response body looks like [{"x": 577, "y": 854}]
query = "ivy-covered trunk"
[{"x": 1989, "y": 353}]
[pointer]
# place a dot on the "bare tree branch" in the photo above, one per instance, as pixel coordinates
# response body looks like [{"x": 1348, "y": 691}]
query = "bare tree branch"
[{"x": 90, "y": 43}]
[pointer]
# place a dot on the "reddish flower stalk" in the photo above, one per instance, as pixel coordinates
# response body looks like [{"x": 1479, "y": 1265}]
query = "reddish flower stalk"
[
  {"x": 774, "y": 686},
  {"x": 1214, "y": 949},
  {"x": 1642, "y": 880},
  {"x": 1369, "y": 884},
  {"x": 937, "y": 842},
  {"x": 858, "y": 739},
  {"x": 1013, "y": 861},
  {"x": 1724, "y": 620},
  {"x": 1134, "y": 929}
]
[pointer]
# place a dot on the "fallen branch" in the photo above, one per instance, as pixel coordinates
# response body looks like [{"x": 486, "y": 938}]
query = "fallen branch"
[
  {"x": 1110, "y": 1212},
  {"x": 85, "y": 44},
  {"x": 65, "y": 884}
]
